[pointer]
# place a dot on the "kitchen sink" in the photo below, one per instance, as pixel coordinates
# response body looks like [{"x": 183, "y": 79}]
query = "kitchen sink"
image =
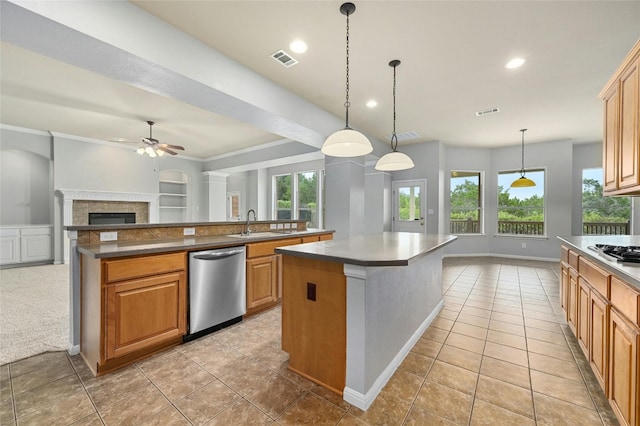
[{"x": 256, "y": 234}]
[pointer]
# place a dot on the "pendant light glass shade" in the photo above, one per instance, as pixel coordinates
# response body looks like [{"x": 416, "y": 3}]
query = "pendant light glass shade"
[
  {"x": 347, "y": 142},
  {"x": 522, "y": 181},
  {"x": 394, "y": 160}
]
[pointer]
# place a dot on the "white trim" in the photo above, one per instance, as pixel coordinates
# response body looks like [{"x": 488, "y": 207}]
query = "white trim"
[
  {"x": 73, "y": 349},
  {"x": 363, "y": 402},
  {"x": 507, "y": 256},
  {"x": 250, "y": 149},
  {"x": 23, "y": 130}
]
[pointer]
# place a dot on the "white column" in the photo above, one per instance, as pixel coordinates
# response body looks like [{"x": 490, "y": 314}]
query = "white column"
[
  {"x": 263, "y": 195},
  {"x": 217, "y": 183},
  {"x": 377, "y": 200},
  {"x": 345, "y": 196}
]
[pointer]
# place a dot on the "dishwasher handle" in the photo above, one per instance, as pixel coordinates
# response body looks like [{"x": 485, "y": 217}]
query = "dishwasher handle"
[{"x": 218, "y": 254}]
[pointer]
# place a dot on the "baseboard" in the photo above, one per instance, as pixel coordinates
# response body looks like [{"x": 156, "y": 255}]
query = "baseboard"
[
  {"x": 363, "y": 402},
  {"x": 73, "y": 349},
  {"x": 507, "y": 256}
]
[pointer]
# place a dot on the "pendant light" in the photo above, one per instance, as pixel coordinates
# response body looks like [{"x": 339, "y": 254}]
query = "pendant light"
[
  {"x": 394, "y": 160},
  {"x": 347, "y": 142},
  {"x": 522, "y": 181}
]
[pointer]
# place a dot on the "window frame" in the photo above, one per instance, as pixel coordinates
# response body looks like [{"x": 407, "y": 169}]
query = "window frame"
[
  {"x": 544, "y": 205},
  {"x": 320, "y": 176},
  {"x": 480, "y": 209}
]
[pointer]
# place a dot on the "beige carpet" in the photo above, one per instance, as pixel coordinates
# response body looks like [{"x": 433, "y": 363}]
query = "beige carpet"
[{"x": 34, "y": 311}]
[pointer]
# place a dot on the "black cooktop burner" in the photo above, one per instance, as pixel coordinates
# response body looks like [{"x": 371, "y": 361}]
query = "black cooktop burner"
[{"x": 622, "y": 253}]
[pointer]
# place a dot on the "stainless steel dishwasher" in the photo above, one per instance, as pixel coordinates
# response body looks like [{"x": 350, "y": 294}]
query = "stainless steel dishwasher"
[{"x": 217, "y": 289}]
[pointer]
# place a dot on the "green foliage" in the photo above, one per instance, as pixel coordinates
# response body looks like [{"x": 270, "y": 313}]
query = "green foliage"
[
  {"x": 405, "y": 207},
  {"x": 597, "y": 208},
  {"x": 283, "y": 188},
  {"x": 307, "y": 189}
]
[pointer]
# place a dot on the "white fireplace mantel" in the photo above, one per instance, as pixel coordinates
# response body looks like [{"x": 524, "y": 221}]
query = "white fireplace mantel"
[{"x": 69, "y": 195}]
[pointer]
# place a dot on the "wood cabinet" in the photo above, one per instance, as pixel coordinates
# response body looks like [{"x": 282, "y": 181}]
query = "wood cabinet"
[
  {"x": 621, "y": 138},
  {"x": 623, "y": 375},
  {"x": 131, "y": 307},
  {"x": 264, "y": 271},
  {"x": 604, "y": 314}
]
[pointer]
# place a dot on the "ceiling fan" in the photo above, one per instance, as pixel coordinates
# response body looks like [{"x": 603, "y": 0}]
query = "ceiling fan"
[{"x": 153, "y": 147}]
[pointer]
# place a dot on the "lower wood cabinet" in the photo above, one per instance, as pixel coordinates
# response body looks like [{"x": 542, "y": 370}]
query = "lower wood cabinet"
[
  {"x": 264, "y": 271},
  {"x": 262, "y": 281},
  {"x": 599, "y": 338},
  {"x": 623, "y": 372},
  {"x": 131, "y": 307},
  {"x": 604, "y": 314},
  {"x": 144, "y": 312}
]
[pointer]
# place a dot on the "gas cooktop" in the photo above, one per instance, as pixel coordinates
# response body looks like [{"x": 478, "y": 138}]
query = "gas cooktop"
[{"x": 626, "y": 254}]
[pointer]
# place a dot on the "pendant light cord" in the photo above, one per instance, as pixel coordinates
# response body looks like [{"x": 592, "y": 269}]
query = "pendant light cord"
[
  {"x": 522, "y": 169},
  {"x": 394, "y": 137},
  {"x": 346, "y": 103}
]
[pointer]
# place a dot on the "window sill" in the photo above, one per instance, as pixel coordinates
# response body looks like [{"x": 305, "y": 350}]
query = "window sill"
[{"x": 532, "y": 237}]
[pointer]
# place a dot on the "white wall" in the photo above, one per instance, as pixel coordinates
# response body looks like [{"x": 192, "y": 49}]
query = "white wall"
[{"x": 25, "y": 178}]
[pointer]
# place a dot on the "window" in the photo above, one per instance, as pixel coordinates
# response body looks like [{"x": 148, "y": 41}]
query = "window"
[
  {"x": 282, "y": 196},
  {"x": 465, "y": 203},
  {"x": 603, "y": 215},
  {"x": 296, "y": 196},
  {"x": 307, "y": 198},
  {"x": 521, "y": 210}
]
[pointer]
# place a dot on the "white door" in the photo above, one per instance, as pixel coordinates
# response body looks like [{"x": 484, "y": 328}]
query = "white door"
[{"x": 409, "y": 206}]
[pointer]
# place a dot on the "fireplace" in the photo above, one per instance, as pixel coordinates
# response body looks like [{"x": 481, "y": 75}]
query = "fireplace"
[{"x": 113, "y": 218}]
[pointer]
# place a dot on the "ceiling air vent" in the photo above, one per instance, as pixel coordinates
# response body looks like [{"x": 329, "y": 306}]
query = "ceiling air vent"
[
  {"x": 488, "y": 111},
  {"x": 405, "y": 136},
  {"x": 284, "y": 58}
]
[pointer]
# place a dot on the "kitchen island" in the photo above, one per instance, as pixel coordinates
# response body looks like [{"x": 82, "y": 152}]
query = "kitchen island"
[{"x": 353, "y": 308}]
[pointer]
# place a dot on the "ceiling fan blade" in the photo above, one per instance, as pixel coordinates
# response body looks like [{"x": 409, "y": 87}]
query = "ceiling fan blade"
[
  {"x": 166, "y": 145},
  {"x": 167, "y": 150},
  {"x": 150, "y": 140}
]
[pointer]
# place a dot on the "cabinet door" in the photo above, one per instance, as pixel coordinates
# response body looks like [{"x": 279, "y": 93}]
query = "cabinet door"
[
  {"x": 611, "y": 139},
  {"x": 598, "y": 337},
  {"x": 262, "y": 281},
  {"x": 572, "y": 314},
  {"x": 564, "y": 289},
  {"x": 582, "y": 326},
  {"x": 9, "y": 248},
  {"x": 35, "y": 248},
  {"x": 144, "y": 312},
  {"x": 623, "y": 368},
  {"x": 628, "y": 173}
]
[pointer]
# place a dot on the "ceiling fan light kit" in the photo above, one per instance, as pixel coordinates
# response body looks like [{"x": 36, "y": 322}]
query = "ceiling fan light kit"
[
  {"x": 347, "y": 142},
  {"x": 153, "y": 148},
  {"x": 394, "y": 160},
  {"x": 522, "y": 181}
]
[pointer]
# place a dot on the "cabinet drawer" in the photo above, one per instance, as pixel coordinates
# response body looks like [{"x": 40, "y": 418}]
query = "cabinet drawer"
[
  {"x": 118, "y": 270},
  {"x": 625, "y": 299},
  {"x": 573, "y": 259},
  {"x": 266, "y": 248},
  {"x": 326, "y": 237},
  {"x": 597, "y": 277},
  {"x": 310, "y": 239},
  {"x": 564, "y": 254}
]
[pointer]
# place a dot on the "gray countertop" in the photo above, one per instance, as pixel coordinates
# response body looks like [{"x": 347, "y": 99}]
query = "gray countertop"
[
  {"x": 629, "y": 272},
  {"x": 135, "y": 248},
  {"x": 385, "y": 249}
]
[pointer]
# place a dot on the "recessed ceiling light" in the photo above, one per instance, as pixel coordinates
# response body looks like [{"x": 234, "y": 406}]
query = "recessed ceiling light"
[
  {"x": 372, "y": 103},
  {"x": 298, "y": 46},
  {"x": 515, "y": 63}
]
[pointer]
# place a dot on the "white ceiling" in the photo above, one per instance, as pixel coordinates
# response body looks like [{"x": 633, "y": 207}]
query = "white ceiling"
[{"x": 453, "y": 55}]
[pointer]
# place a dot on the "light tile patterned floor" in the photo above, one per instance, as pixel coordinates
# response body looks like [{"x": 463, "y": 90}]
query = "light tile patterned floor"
[{"x": 497, "y": 354}]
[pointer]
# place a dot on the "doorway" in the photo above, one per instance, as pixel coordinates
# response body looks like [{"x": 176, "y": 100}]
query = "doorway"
[{"x": 409, "y": 206}]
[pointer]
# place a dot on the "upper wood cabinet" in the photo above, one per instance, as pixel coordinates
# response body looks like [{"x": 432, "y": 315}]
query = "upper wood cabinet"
[{"x": 621, "y": 139}]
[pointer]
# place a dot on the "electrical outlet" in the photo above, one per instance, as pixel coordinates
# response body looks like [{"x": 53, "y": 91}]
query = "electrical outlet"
[
  {"x": 189, "y": 231},
  {"x": 524, "y": 245},
  {"x": 108, "y": 236},
  {"x": 272, "y": 226},
  {"x": 311, "y": 292},
  {"x": 280, "y": 226},
  {"x": 287, "y": 226},
  {"x": 294, "y": 225}
]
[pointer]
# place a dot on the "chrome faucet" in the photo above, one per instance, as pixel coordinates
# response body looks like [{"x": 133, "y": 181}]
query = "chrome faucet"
[{"x": 248, "y": 228}]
